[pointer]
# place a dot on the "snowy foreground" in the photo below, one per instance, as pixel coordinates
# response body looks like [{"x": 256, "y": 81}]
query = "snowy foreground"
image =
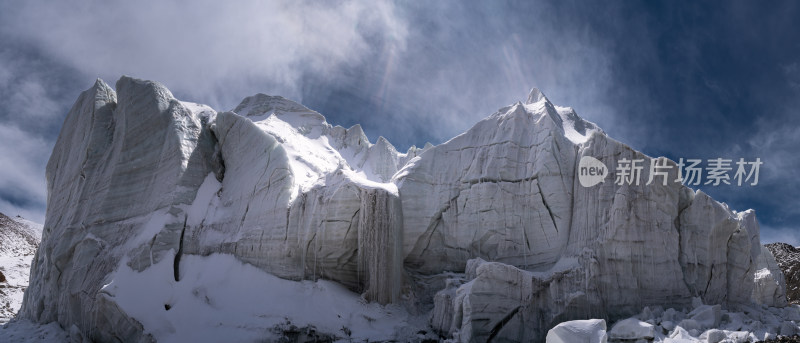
[
  {"x": 19, "y": 239},
  {"x": 221, "y": 299},
  {"x": 224, "y": 310},
  {"x": 25, "y": 331},
  {"x": 212, "y": 304},
  {"x": 16, "y": 270}
]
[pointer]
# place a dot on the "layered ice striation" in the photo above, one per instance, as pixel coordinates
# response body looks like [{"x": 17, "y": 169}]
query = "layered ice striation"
[{"x": 490, "y": 230}]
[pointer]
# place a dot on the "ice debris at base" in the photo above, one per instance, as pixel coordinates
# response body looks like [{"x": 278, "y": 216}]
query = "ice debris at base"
[
  {"x": 632, "y": 328},
  {"x": 702, "y": 323},
  {"x": 493, "y": 299},
  {"x": 588, "y": 331},
  {"x": 489, "y": 231}
]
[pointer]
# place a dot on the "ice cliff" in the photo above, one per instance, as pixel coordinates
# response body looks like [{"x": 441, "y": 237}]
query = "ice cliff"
[{"x": 489, "y": 231}]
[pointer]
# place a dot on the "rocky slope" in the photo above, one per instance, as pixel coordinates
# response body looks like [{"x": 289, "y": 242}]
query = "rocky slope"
[
  {"x": 490, "y": 230},
  {"x": 788, "y": 258},
  {"x": 19, "y": 239}
]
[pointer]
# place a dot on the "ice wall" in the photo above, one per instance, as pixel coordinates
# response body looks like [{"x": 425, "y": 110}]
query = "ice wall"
[{"x": 137, "y": 176}]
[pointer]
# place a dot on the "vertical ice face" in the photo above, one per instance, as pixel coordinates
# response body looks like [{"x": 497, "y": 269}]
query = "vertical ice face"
[
  {"x": 123, "y": 167},
  {"x": 137, "y": 177},
  {"x": 770, "y": 286},
  {"x": 380, "y": 245},
  {"x": 717, "y": 257},
  {"x": 501, "y": 191},
  {"x": 631, "y": 231},
  {"x": 84, "y": 143}
]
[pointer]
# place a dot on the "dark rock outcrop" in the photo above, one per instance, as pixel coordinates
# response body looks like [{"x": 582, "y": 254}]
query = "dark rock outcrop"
[{"x": 788, "y": 258}]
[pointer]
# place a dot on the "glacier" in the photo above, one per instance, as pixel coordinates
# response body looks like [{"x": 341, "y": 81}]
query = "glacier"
[{"x": 489, "y": 234}]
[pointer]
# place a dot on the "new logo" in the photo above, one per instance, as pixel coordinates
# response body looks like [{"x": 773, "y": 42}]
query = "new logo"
[{"x": 591, "y": 171}]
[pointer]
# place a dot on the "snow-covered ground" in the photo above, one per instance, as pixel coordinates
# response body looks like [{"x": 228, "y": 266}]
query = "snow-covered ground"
[
  {"x": 219, "y": 298},
  {"x": 25, "y": 331},
  {"x": 19, "y": 239},
  {"x": 16, "y": 270},
  {"x": 212, "y": 303}
]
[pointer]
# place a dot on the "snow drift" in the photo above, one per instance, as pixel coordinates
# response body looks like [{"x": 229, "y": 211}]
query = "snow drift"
[{"x": 145, "y": 189}]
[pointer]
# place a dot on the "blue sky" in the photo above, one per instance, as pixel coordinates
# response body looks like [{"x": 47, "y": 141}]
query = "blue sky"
[{"x": 692, "y": 80}]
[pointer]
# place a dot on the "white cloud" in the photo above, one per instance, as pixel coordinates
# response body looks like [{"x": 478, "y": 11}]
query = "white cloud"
[
  {"x": 207, "y": 48},
  {"x": 22, "y": 172},
  {"x": 30, "y": 97},
  {"x": 23, "y": 84},
  {"x": 463, "y": 63},
  {"x": 11, "y": 210},
  {"x": 448, "y": 64},
  {"x": 30, "y": 109}
]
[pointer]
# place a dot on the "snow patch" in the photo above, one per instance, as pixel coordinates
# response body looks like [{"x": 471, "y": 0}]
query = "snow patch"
[
  {"x": 576, "y": 129},
  {"x": 198, "y": 109},
  {"x": 25, "y": 331},
  {"x": 219, "y": 298},
  {"x": 202, "y": 206}
]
